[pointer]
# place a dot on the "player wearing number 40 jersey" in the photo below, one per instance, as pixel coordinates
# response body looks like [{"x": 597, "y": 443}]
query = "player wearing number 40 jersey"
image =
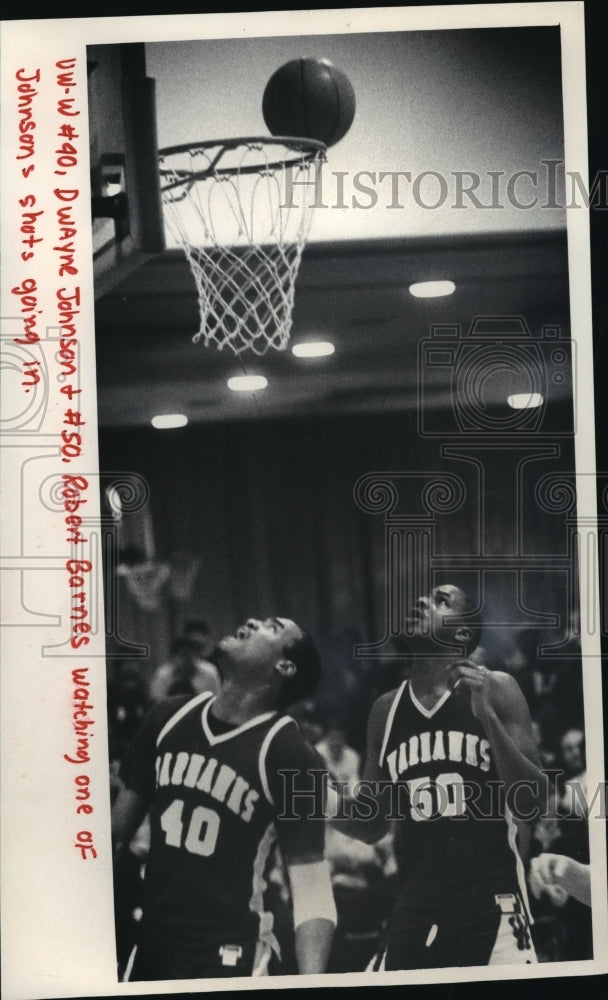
[
  {"x": 453, "y": 746},
  {"x": 208, "y": 771}
]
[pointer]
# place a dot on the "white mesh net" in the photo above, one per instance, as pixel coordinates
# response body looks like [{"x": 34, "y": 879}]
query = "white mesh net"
[{"x": 241, "y": 211}]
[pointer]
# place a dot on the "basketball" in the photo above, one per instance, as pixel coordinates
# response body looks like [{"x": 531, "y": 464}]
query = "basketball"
[{"x": 309, "y": 98}]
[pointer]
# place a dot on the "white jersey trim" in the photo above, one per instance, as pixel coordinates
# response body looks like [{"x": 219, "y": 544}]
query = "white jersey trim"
[
  {"x": 197, "y": 700},
  {"x": 389, "y": 721},
  {"x": 519, "y": 865},
  {"x": 129, "y": 967},
  {"x": 264, "y": 751},
  {"x": 222, "y": 737},
  {"x": 429, "y": 712},
  {"x": 261, "y": 961},
  {"x": 266, "y": 936}
]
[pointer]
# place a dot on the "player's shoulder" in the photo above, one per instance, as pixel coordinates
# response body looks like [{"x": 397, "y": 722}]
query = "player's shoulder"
[
  {"x": 288, "y": 731},
  {"x": 383, "y": 704},
  {"x": 154, "y": 725},
  {"x": 379, "y": 716},
  {"x": 504, "y": 689},
  {"x": 502, "y": 681},
  {"x": 288, "y": 741},
  {"x": 163, "y": 711}
]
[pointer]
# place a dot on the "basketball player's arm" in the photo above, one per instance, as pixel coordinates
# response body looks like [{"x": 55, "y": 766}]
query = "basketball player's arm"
[
  {"x": 559, "y": 877},
  {"x": 499, "y": 704},
  {"x": 128, "y": 813},
  {"x": 300, "y": 826},
  {"x": 314, "y": 911},
  {"x": 137, "y": 780},
  {"x": 362, "y": 816}
]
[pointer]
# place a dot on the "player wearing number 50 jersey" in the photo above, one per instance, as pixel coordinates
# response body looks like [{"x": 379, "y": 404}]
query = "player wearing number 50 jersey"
[
  {"x": 208, "y": 771},
  {"x": 451, "y": 758}
]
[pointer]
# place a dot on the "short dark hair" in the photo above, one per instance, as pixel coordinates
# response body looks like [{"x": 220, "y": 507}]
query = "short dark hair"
[{"x": 305, "y": 655}]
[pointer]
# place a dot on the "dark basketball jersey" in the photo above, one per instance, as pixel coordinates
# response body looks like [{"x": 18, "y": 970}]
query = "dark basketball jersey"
[
  {"x": 214, "y": 805},
  {"x": 455, "y": 842}
]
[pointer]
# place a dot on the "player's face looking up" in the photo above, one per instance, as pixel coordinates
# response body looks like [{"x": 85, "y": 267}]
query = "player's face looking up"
[
  {"x": 433, "y": 617},
  {"x": 260, "y": 645}
]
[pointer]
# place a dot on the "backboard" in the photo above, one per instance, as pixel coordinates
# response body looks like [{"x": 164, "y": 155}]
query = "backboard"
[{"x": 127, "y": 215}]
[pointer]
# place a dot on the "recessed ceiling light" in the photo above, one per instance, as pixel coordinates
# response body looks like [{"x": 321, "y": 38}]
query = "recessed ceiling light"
[
  {"x": 525, "y": 400},
  {"x": 162, "y": 421},
  {"x": 313, "y": 349},
  {"x": 432, "y": 289},
  {"x": 247, "y": 383}
]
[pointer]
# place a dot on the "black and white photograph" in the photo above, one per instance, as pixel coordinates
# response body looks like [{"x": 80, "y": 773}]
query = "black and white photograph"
[{"x": 303, "y": 531}]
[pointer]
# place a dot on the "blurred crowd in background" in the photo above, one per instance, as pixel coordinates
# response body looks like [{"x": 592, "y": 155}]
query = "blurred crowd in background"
[{"x": 335, "y": 722}]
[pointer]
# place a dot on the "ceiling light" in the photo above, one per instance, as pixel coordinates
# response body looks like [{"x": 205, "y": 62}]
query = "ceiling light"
[
  {"x": 247, "y": 383},
  {"x": 165, "y": 420},
  {"x": 525, "y": 400},
  {"x": 432, "y": 289},
  {"x": 313, "y": 349}
]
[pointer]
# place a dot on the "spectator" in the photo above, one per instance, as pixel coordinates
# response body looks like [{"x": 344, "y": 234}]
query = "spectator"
[
  {"x": 554, "y": 680},
  {"x": 307, "y": 716},
  {"x": 184, "y": 673},
  {"x": 560, "y": 877},
  {"x": 363, "y": 879},
  {"x": 200, "y": 633},
  {"x": 127, "y": 705},
  {"x": 548, "y": 756},
  {"x": 347, "y": 690},
  {"x": 547, "y": 836},
  {"x": 343, "y": 763},
  {"x": 572, "y": 757},
  {"x": 562, "y": 921}
]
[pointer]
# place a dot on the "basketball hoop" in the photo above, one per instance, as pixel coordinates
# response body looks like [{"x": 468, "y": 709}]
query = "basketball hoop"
[
  {"x": 145, "y": 582},
  {"x": 241, "y": 210}
]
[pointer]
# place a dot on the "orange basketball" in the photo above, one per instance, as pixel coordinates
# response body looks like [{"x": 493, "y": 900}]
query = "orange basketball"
[{"x": 309, "y": 98}]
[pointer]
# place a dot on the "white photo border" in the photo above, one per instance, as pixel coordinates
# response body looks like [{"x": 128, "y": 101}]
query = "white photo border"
[{"x": 57, "y": 917}]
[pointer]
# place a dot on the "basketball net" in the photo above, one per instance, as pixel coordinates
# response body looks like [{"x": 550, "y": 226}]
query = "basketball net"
[
  {"x": 145, "y": 582},
  {"x": 241, "y": 210},
  {"x": 184, "y": 572}
]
